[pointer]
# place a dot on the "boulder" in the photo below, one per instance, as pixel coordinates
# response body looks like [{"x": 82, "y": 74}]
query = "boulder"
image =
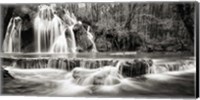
[
  {"x": 135, "y": 67},
  {"x": 82, "y": 39}
]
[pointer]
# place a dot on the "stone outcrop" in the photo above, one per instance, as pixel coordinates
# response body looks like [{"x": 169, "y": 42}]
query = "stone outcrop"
[
  {"x": 6, "y": 74},
  {"x": 82, "y": 41},
  {"x": 135, "y": 67}
]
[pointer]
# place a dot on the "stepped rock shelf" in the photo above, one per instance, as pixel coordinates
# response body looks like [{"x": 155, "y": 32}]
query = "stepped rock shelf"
[{"x": 127, "y": 65}]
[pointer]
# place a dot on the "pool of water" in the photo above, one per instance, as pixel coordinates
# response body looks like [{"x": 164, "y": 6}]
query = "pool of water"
[{"x": 99, "y": 55}]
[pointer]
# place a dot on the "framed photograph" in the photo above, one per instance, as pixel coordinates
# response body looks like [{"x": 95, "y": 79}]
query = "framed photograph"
[{"x": 111, "y": 49}]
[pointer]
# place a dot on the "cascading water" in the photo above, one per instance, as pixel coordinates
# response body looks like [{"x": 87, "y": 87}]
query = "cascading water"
[
  {"x": 73, "y": 75},
  {"x": 104, "y": 75},
  {"x": 66, "y": 42},
  {"x": 53, "y": 34},
  {"x": 12, "y": 41},
  {"x": 60, "y": 45},
  {"x": 70, "y": 21},
  {"x": 48, "y": 27},
  {"x": 69, "y": 33},
  {"x": 107, "y": 79},
  {"x": 127, "y": 68},
  {"x": 91, "y": 38}
]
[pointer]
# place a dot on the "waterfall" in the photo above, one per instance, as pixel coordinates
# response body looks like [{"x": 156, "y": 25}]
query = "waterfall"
[
  {"x": 52, "y": 34},
  {"x": 60, "y": 45},
  {"x": 91, "y": 38},
  {"x": 12, "y": 41},
  {"x": 48, "y": 27},
  {"x": 55, "y": 66},
  {"x": 71, "y": 39},
  {"x": 66, "y": 42}
]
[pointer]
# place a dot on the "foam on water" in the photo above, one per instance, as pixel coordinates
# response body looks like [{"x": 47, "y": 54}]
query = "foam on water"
[{"x": 106, "y": 81}]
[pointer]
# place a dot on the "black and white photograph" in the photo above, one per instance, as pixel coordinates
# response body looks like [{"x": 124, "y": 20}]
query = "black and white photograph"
[{"x": 88, "y": 49}]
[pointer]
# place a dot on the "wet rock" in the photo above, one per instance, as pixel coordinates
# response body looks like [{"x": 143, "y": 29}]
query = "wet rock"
[
  {"x": 135, "y": 67},
  {"x": 6, "y": 74},
  {"x": 81, "y": 37},
  {"x": 128, "y": 68}
]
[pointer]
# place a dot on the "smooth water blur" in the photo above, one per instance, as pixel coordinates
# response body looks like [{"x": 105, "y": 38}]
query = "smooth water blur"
[
  {"x": 91, "y": 38},
  {"x": 55, "y": 44},
  {"x": 60, "y": 45},
  {"x": 54, "y": 34},
  {"x": 51, "y": 82},
  {"x": 47, "y": 28},
  {"x": 104, "y": 81},
  {"x": 12, "y": 41}
]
